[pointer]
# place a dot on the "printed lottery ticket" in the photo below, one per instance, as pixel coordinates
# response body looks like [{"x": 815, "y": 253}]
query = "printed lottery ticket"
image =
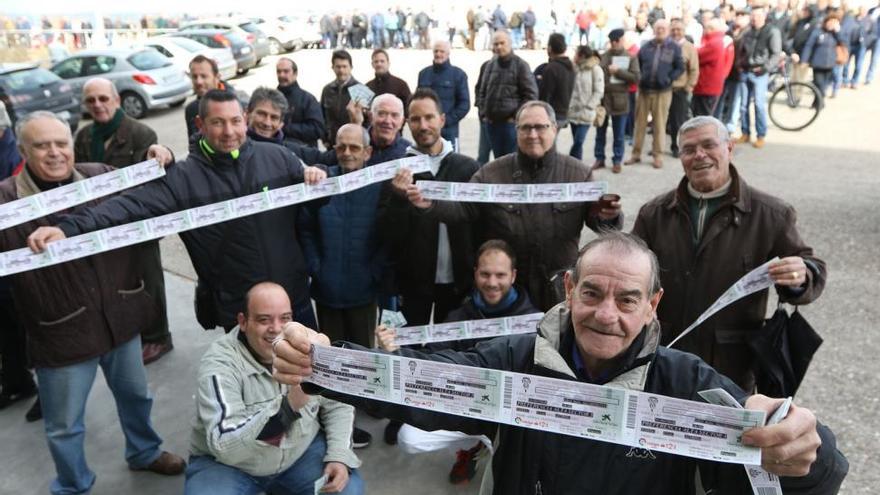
[
  {"x": 477, "y": 192},
  {"x": 473, "y": 329},
  {"x": 361, "y": 94},
  {"x": 763, "y": 483},
  {"x": 754, "y": 281},
  {"x": 39, "y": 205},
  {"x": 607, "y": 414},
  {"x": 21, "y": 260}
]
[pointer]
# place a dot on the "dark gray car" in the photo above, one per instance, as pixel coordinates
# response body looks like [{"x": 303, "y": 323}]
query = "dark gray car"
[
  {"x": 244, "y": 54},
  {"x": 29, "y": 88}
]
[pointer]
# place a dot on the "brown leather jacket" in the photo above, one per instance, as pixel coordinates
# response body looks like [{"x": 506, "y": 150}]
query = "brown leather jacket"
[
  {"x": 128, "y": 145},
  {"x": 749, "y": 228},
  {"x": 544, "y": 236},
  {"x": 81, "y": 309}
]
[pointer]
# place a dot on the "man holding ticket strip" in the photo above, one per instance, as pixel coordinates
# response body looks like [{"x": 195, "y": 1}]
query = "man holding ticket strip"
[
  {"x": 708, "y": 232},
  {"x": 229, "y": 257},
  {"x": 604, "y": 333},
  {"x": 81, "y": 315},
  {"x": 544, "y": 236}
]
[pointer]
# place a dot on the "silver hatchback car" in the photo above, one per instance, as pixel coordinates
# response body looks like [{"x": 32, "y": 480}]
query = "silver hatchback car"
[{"x": 145, "y": 78}]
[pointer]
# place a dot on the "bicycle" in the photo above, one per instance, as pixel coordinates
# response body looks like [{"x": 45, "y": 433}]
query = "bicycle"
[{"x": 793, "y": 105}]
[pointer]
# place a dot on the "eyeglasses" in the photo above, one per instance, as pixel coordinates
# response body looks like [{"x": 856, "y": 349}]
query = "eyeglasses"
[
  {"x": 355, "y": 148},
  {"x": 528, "y": 128},
  {"x": 91, "y": 99}
]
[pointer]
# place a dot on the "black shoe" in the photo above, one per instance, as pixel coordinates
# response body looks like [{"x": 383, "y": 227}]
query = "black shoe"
[
  {"x": 7, "y": 399},
  {"x": 391, "y": 430},
  {"x": 360, "y": 438},
  {"x": 674, "y": 153},
  {"x": 35, "y": 413}
]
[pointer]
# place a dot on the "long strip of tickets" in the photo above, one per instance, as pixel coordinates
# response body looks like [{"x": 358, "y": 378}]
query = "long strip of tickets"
[
  {"x": 21, "y": 260},
  {"x": 477, "y": 192},
  {"x": 754, "y": 281},
  {"x": 473, "y": 329},
  {"x": 39, "y": 205},
  {"x": 606, "y": 414}
]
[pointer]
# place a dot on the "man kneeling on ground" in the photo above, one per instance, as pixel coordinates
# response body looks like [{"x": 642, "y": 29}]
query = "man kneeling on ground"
[{"x": 251, "y": 431}]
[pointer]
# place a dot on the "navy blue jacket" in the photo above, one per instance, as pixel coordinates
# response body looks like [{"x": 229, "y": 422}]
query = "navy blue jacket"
[
  {"x": 669, "y": 66},
  {"x": 820, "y": 51},
  {"x": 451, "y": 85},
  {"x": 9, "y": 156},
  {"x": 304, "y": 120},
  {"x": 347, "y": 259}
]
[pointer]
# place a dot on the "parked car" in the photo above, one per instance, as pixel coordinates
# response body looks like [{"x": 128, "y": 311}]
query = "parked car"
[
  {"x": 28, "y": 88},
  {"x": 309, "y": 31},
  {"x": 144, "y": 78},
  {"x": 244, "y": 54},
  {"x": 241, "y": 26},
  {"x": 282, "y": 36},
  {"x": 181, "y": 50}
]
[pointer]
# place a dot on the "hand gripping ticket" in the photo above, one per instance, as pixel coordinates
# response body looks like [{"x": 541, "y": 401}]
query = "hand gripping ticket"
[
  {"x": 473, "y": 329},
  {"x": 39, "y": 205},
  {"x": 478, "y": 192},
  {"x": 21, "y": 260},
  {"x": 605, "y": 414}
]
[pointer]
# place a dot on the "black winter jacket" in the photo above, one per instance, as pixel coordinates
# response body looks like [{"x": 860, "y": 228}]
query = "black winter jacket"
[
  {"x": 528, "y": 461},
  {"x": 504, "y": 85},
  {"x": 555, "y": 85},
  {"x": 304, "y": 121},
  {"x": 258, "y": 247}
]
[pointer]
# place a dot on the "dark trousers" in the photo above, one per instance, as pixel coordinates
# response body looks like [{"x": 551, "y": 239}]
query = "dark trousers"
[
  {"x": 703, "y": 105},
  {"x": 618, "y": 124},
  {"x": 679, "y": 113},
  {"x": 154, "y": 283},
  {"x": 417, "y": 309},
  {"x": 822, "y": 78},
  {"x": 15, "y": 376},
  {"x": 355, "y": 324},
  {"x": 631, "y": 116},
  {"x": 530, "y": 38},
  {"x": 502, "y": 138}
]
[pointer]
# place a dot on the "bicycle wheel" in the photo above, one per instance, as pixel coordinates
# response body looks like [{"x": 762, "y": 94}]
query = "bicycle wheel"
[{"x": 795, "y": 106}]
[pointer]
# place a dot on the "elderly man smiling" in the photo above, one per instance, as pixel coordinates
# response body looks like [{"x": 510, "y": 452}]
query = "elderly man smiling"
[{"x": 605, "y": 332}]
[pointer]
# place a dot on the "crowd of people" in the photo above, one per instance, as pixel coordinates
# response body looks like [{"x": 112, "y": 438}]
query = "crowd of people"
[{"x": 282, "y": 280}]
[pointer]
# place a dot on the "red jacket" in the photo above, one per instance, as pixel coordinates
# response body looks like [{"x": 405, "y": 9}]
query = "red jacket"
[{"x": 715, "y": 63}]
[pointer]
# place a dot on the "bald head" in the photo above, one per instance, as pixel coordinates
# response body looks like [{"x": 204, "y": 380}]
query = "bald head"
[
  {"x": 263, "y": 291},
  {"x": 501, "y": 45},
  {"x": 661, "y": 29},
  {"x": 45, "y": 142},
  {"x": 441, "y": 51},
  {"x": 100, "y": 99}
]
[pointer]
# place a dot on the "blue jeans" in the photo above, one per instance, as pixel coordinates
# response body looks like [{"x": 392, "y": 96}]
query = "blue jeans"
[
  {"x": 727, "y": 110},
  {"x": 756, "y": 90},
  {"x": 378, "y": 38},
  {"x": 856, "y": 52},
  {"x": 875, "y": 57},
  {"x": 618, "y": 125},
  {"x": 578, "y": 135},
  {"x": 631, "y": 117},
  {"x": 485, "y": 148},
  {"x": 836, "y": 78},
  {"x": 63, "y": 394},
  {"x": 502, "y": 138},
  {"x": 206, "y": 476}
]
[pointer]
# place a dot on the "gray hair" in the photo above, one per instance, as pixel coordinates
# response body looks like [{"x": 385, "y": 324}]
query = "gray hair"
[
  {"x": 273, "y": 96},
  {"x": 365, "y": 134},
  {"x": 624, "y": 243},
  {"x": 702, "y": 121},
  {"x": 551, "y": 114},
  {"x": 93, "y": 80},
  {"x": 386, "y": 97},
  {"x": 40, "y": 114}
]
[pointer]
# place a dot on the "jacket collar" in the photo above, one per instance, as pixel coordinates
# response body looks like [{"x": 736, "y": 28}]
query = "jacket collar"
[
  {"x": 738, "y": 197},
  {"x": 548, "y": 352},
  {"x": 25, "y": 185},
  {"x": 257, "y": 368}
]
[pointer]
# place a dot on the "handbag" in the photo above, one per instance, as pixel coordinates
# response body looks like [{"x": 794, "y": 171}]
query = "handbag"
[
  {"x": 601, "y": 113},
  {"x": 783, "y": 349},
  {"x": 841, "y": 55}
]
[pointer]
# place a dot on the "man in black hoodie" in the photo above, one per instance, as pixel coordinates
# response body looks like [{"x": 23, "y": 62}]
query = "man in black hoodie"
[
  {"x": 304, "y": 119},
  {"x": 556, "y": 78}
]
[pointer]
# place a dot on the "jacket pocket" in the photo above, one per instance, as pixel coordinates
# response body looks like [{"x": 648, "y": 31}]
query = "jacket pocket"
[
  {"x": 63, "y": 319},
  {"x": 129, "y": 292}
]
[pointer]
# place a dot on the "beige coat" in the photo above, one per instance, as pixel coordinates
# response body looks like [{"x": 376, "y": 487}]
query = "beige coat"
[
  {"x": 688, "y": 78},
  {"x": 589, "y": 87}
]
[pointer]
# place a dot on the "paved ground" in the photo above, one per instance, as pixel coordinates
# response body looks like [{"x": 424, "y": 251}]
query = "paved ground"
[{"x": 829, "y": 172}]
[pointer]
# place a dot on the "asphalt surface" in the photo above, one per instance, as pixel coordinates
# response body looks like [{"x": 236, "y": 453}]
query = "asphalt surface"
[{"x": 828, "y": 172}]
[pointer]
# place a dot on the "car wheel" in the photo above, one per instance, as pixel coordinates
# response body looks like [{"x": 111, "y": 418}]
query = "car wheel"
[
  {"x": 243, "y": 72},
  {"x": 259, "y": 61},
  {"x": 134, "y": 105},
  {"x": 275, "y": 47}
]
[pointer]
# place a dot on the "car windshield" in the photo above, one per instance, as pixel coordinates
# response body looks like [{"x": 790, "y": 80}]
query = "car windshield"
[
  {"x": 28, "y": 79},
  {"x": 188, "y": 44},
  {"x": 249, "y": 27},
  {"x": 148, "y": 59}
]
